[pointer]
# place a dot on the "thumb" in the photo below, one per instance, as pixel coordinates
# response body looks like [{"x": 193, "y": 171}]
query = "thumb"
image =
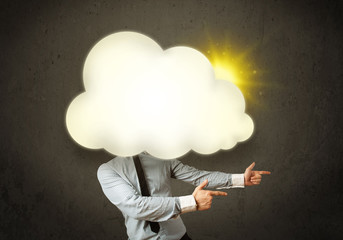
[
  {"x": 202, "y": 185},
  {"x": 251, "y": 166}
]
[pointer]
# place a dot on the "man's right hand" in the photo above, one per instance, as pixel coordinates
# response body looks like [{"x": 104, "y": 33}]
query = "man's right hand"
[{"x": 204, "y": 198}]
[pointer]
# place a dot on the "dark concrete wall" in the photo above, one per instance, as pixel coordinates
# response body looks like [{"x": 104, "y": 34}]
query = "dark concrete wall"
[{"x": 48, "y": 183}]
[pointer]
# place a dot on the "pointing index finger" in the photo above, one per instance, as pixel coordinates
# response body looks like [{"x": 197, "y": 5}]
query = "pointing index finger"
[
  {"x": 218, "y": 193},
  {"x": 263, "y": 172}
]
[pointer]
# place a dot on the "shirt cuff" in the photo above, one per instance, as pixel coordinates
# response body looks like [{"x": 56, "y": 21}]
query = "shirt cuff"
[
  {"x": 188, "y": 204},
  {"x": 238, "y": 180}
]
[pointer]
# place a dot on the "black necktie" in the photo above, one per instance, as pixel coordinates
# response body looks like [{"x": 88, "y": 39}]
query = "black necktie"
[{"x": 155, "y": 227}]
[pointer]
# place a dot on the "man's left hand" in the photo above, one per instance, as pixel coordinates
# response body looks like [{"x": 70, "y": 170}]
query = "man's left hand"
[{"x": 253, "y": 177}]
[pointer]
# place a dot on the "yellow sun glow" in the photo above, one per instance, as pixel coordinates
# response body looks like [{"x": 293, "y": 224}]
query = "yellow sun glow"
[{"x": 232, "y": 67}]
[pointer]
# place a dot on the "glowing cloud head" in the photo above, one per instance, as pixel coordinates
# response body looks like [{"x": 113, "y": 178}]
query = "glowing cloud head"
[{"x": 140, "y": 97}]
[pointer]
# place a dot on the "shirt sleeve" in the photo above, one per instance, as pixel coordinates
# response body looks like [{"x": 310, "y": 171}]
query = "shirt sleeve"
[
  {"x": 188, "y": 204},
  {"x": 128, "y": 200},
  {"x": 219, "y": 180},
  {"x": 238, "y": 180}
]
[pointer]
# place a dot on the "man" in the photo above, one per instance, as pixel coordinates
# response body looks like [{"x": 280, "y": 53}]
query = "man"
[{"x": 119, "y": 182}]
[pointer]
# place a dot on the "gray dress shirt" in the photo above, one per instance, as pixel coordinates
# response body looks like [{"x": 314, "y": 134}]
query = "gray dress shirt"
[{"x": 120, "y": 184}]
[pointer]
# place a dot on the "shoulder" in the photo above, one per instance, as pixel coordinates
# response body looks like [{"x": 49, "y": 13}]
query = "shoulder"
[{"x": 111, "y": 165}]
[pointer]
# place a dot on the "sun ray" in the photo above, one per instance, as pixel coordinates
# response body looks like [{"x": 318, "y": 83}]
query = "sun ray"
[{"x": 235, "y": 66}]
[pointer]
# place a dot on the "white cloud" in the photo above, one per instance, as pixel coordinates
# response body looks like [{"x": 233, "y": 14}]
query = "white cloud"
[{"x": 140, "y": 97}]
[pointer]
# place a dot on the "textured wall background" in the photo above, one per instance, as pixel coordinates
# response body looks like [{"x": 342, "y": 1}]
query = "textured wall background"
[{"x": 48, "y": 183}]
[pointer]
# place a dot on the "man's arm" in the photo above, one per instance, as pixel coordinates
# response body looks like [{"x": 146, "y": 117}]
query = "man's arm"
[
  {"x": 215, "y": 179},
  {"x": 219, "y": 180},
  {"x": 128, "y": 200}
]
